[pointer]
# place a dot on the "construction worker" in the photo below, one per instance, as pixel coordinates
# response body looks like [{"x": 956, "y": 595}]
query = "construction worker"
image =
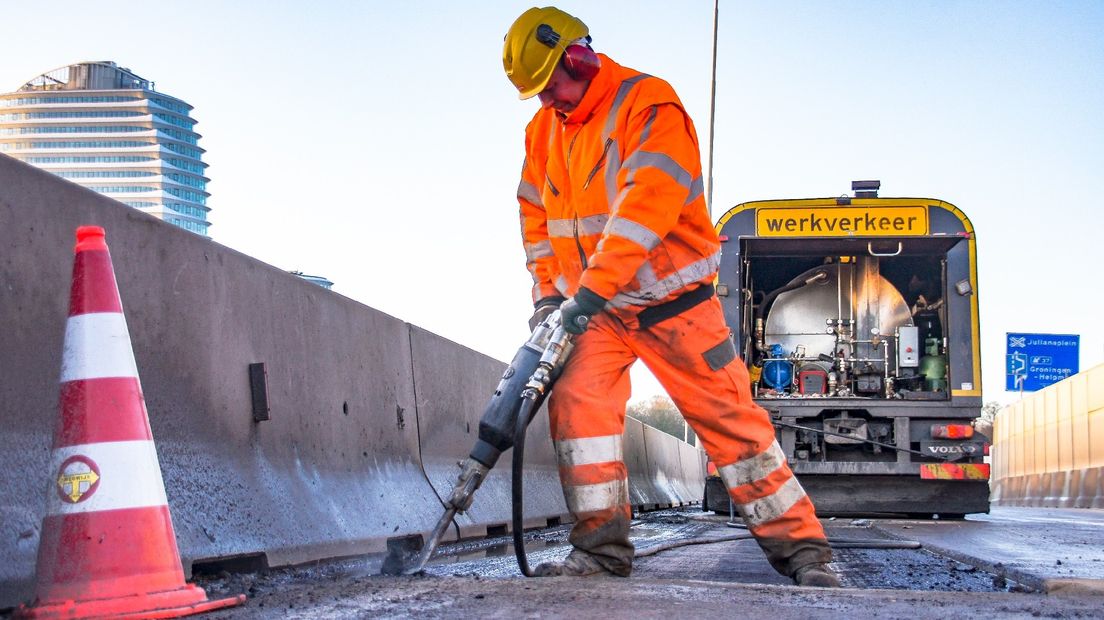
[{"x": 616, "y": 229}]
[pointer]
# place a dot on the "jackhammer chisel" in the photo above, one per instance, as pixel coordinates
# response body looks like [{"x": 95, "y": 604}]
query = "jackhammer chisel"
[{"x": 515, "y": 401}]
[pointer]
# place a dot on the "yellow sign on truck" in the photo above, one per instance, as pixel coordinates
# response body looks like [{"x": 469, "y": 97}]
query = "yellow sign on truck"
[{"x": 839, "y": 221}]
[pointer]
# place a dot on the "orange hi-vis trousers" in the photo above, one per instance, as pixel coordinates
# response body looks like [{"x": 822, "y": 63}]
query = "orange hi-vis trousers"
[{"x": 693, "y": 357}]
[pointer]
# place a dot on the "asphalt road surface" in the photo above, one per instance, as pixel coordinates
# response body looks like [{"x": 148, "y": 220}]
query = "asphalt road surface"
[{"x": 1012, "y": 563}]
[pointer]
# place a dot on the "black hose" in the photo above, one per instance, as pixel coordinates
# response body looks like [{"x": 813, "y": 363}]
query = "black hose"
[
  {"x": 836, "y": 543},
  {"x": 873, "y": 543},
  {"x": 525, "y": 412},
  {"x": 690, "y": 541}
]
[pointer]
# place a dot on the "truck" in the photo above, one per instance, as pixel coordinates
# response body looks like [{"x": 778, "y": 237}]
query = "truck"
[{"x": 857, "y": 317}]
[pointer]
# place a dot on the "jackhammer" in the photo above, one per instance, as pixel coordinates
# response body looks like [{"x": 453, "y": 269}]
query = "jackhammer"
[{"x": 523, "y": 387}]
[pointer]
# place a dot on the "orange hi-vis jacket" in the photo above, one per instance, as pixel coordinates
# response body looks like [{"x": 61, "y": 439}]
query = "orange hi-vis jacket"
[{"x": 611, "y": 196}]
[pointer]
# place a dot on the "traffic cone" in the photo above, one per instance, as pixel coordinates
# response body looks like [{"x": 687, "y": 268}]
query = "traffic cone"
[{"x": 108, "y": 548}]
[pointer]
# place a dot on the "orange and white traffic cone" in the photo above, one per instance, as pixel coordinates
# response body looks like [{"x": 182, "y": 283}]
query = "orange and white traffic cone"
[{"x": 108, "y": 548}]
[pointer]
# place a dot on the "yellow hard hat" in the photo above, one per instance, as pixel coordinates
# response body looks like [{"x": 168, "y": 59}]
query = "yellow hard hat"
[{"x": 534, "y": 45}]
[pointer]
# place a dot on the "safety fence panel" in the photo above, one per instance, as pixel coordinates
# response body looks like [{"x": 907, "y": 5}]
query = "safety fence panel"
[
  {"x": 1048, "y": 449},
  {"x": 453, "y": 384}
]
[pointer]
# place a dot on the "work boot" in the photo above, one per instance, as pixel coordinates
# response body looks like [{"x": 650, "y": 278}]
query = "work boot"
[
  {"x": 578, "y": 563},
  {"x": 816, "y": 576}
]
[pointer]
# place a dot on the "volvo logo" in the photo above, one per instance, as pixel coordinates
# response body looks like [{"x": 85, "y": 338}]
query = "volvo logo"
[{"x": 948, "y": 449}]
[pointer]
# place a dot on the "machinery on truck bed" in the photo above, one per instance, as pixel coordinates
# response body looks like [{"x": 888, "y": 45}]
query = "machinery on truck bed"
[{"x": 858, "y": 319}]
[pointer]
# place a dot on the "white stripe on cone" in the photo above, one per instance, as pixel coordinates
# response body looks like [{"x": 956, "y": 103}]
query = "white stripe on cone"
[
  {"x": 129, "y": 476},
  {"x": 97, "y": 346}
]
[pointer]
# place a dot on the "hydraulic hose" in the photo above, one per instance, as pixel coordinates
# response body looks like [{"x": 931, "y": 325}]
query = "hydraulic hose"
[
  {"x": 690, "y": 541},
  {"x": 835, "y": 543},
  {"x": 525, "y": 412}
]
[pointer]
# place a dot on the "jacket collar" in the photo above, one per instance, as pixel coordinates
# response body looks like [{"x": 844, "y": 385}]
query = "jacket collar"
[{"x": 601, "y": 87}]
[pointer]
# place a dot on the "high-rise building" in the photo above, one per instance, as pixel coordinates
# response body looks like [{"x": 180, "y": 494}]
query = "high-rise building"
[{"x": 104, "y": 127}]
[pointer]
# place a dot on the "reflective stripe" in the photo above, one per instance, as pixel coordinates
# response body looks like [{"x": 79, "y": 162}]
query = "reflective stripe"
[
  {"x": 645, "y": 273},
  {"x": 753, "y": 468},
  {"x": 561, "y": 285},
  {"x": 618, "y": 99},
  {"x": 613, "y": 157},
  {"x": 589, "y": 450},
  {"x": 561, "y": 228},
  {"x": 773, "y": 506},
  {"x": 538, "y": 292},
  {"x": 651, "y": 290},
  {"x": 647, "y": 131},
  {"x": 590, "y": 225},
  {"x": 613, "y": 167},
  {"x": 129, "y": 477},
  {"x": 593, "y": 224},
  {"x": 661, "y": 161},
  {"x": 594, "y": 497},
  {"x": 542, "y": 249},
  {"x": 528, "y": 191},
  {"x": 697, "y": 188},
  {"x": 633, "y": 231},
  {"x": 97, "y": 345},
  {"x": 615, "y": 206}
]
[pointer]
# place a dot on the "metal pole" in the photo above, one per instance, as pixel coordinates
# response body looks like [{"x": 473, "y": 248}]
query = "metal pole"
[{"x": 712, "y": 110}]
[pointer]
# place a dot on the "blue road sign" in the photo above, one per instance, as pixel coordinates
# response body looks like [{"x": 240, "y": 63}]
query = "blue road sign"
[{"x": 1038, "y": 360}]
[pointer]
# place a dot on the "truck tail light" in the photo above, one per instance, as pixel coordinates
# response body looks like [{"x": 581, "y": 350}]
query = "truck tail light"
[{"x": 952, "y": 431}]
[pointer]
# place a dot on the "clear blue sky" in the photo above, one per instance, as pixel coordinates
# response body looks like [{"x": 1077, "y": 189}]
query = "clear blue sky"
[{"x": 378, "y": 143}]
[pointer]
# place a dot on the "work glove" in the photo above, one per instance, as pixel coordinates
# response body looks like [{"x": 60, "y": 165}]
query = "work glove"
[
  {"x": 544, "y": 307},
  {"x": 576, "y": 311}
]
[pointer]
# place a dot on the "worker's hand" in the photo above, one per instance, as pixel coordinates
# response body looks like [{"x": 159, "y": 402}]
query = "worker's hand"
[
  {"x": 544, "y": 307},
  {"x": 576, "y": 311}
]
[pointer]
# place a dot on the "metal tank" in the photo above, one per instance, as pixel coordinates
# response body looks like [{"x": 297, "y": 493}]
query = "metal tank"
[{"x": 848, "y": 317}]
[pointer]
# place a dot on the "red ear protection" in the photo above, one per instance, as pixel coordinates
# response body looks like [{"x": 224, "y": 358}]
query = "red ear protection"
[{"x": 580, "y": 62}]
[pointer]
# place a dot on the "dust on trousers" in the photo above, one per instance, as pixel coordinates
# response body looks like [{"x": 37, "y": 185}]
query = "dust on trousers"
[{"x": 693, "y": 357}]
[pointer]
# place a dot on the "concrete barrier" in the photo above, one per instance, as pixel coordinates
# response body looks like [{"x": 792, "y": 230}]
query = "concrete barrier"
[
  {"x": 364, "y": 419},
  {"x": 452, "y": 386},
  {"x": 338, "y": 373},
  {"x": 642, "y": 492},
  {"x": 693, "y": 460},
  {"x": 317, "y": 479},
  {"x": 665, "y": 468}
]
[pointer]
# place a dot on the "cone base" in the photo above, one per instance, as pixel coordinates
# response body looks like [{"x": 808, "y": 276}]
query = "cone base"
[{"x": 184, "y": 601}]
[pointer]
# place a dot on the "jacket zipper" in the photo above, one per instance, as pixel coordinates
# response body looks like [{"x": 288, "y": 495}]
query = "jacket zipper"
[
  {"x": 575, "y": 218},
  {"x": 597, "y": 166},
  {"x": 579, "y": 244}
]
